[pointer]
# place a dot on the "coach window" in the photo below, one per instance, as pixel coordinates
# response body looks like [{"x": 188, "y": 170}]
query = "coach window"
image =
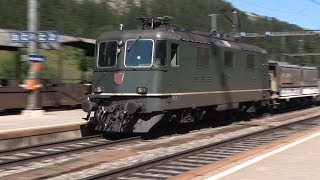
[
  {"x": 202, "y": 56},
  {"x": 160, "y": 53},
  {"x": 250, "y": 61},
  {"x": 174, "y": 55},
  {"x": 228, "y": 59}
]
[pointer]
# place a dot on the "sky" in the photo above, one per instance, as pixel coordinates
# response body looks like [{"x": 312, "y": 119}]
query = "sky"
[{"x": 304, "y": 13}]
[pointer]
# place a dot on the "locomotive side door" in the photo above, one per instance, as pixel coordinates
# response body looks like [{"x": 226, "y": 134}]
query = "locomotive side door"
[
  {"x": 223, "y": 75},
  {"x": 172, "y": 80},
  {"x": 272, "y": 78}
]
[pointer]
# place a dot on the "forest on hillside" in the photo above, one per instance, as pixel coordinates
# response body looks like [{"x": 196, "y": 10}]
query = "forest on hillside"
[{"x": 88, "y": 18}]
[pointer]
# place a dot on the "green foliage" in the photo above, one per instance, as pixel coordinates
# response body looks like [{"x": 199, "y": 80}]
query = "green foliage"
[
  {"x": 89, "y": 18},
  {"x": 7, "y": 68},
  {"x": 13, "y": 14},
  {"x": 77, "y": 18}
]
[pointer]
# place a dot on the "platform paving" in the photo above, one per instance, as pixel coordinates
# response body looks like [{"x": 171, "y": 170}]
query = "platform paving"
[
  {"x": 14, "y": 122},
  {"x": 301, "y": 161},
  {"x": 25, "y": 130}
]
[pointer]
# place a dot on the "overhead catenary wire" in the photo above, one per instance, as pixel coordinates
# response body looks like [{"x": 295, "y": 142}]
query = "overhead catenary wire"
[
  {"x": 276, "y": 10},
  {"x": 315, "y": 2}
]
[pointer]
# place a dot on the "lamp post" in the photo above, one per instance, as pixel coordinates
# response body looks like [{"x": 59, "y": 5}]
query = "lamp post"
[{"x": 32, "y": 82}]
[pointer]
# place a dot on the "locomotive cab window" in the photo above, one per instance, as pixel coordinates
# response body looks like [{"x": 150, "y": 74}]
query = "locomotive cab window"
[
  {"x": 139, "y": 53},
  {"x": 202, "y": 56},
  {"x": 174, "y": 55},
  {"x": 107, "y": 54},
  {"x": 228, "y": 59},
  {"x": 160, "y": 53},
  {"x": 250, "y": 61}
]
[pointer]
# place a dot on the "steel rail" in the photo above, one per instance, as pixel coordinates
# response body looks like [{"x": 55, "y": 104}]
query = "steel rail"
[{"x": 63, "y": 146}]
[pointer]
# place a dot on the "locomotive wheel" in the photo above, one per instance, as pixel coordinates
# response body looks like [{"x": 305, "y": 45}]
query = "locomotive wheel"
[
  {"x": 187, "y": 116},
  {"x": 106, "y": 121}
]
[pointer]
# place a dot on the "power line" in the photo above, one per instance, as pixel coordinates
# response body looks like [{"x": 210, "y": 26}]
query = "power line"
[
  {"x": 278, "y": 34},
  {"x": 301, "y": 54},
  {"x": 277, "y": 10},
  {"x": 315, "y": 2},
  {"x": 301, "y": 12}
]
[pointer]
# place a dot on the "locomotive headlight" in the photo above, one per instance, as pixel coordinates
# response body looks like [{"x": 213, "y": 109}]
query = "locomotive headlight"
[
  {"x": 98, "y": 89},
  {"x": 142, "y": 90}
]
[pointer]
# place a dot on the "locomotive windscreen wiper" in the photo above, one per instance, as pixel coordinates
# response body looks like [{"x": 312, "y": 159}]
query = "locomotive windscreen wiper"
[
  {"x": 105, "y": 53},
  {"x": 129, "y": 48}
]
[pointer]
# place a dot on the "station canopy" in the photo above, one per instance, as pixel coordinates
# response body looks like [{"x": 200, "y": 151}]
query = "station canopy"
[{"x": 83, "y": 43}]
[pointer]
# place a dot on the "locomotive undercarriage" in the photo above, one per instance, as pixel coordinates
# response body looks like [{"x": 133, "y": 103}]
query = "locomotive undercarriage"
[
  {"x": 131, "y": 116},
  {"x": 114, "y": 118},
  {"x": 126, "y": 115}
]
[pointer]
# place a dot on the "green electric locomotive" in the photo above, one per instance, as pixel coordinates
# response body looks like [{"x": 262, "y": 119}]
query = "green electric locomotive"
[{"x": 162, "y": 73}]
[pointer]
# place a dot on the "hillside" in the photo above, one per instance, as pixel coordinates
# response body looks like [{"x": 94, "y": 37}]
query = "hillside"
[{"x": 88, "y": 18}]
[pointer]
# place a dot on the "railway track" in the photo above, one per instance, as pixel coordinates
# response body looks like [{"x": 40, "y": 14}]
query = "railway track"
[
  {"x": 32, "y": 153},
  {"x": 178, "y": 163},
  {"x": 118, "y": 156}
]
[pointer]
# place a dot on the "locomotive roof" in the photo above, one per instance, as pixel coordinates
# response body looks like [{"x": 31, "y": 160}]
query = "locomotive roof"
[{"x": 180, "y": 34}]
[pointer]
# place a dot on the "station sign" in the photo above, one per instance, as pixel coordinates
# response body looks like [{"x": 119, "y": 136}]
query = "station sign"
[
  {"x": 48, "y": 36},
  {"x": 20, "y": 37},
  {"x": 34, "y": 58},
  {"x": 42, "y": 36}
]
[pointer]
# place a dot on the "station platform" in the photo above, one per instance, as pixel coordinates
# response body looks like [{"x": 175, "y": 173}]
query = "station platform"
[
  {"x": 25, "y": 130},
  {"x": 298, "y": 159}
]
